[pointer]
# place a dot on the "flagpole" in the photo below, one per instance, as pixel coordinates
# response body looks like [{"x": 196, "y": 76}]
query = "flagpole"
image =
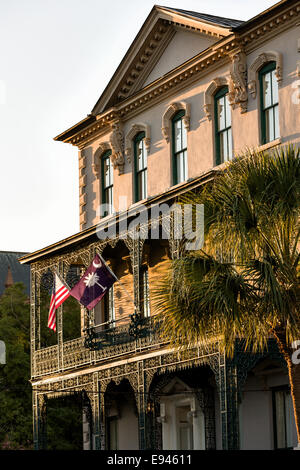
[{"x": 62, "y": 280}]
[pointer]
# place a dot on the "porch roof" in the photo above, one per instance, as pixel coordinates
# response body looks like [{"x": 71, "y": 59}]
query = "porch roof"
[{"x": 91, "y": 233}]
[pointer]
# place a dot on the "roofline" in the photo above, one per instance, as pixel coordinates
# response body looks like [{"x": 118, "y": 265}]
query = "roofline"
[
  {"x": 76, "y": 128},
  {"x": 157, "y": 9},
  {"x": 126, "y": 55},
  {"x": 202, "y": 20},
  {"x": 91, "y": 232},
  {"x": 268, "y": 12}
]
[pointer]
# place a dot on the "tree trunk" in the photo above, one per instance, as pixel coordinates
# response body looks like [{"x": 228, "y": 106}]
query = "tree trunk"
[{"x": 294, "y": 376}]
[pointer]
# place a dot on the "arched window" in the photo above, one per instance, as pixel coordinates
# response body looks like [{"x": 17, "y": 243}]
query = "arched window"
[
  {"x": 179, "y": 147},
  {"x": 107, "y": 183},
  {"x": 269, "y": 103},
  {"x": 223, "y": 126},
  {"x": 140, "y": 167}
]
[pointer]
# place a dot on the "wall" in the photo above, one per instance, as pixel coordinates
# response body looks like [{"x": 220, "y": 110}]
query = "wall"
[{"x": 256, "y": 411}]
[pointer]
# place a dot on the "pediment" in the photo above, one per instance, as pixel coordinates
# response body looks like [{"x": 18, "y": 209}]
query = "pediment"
[
  {"x": 160, "y": 46},
  {"x": 183, "y": 46},
  {"x": 176, "y": 386}
]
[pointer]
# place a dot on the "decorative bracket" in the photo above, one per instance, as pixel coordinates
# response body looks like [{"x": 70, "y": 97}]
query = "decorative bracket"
[
  {"x": 192, "y": 414},
  {"x": 117, "y": 146},
  {"x": 162, "y": 418},
  {"x": 238, "y": 95}
]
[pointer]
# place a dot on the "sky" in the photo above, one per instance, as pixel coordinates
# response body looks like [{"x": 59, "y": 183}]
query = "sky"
[{"x": 56, "y": 58}]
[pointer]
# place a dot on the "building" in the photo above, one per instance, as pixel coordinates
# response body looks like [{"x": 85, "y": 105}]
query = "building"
[{"x": 192, "y": 91}]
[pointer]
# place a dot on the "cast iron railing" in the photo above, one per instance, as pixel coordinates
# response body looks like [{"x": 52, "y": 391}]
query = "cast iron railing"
[{"x": 107, "y": 334}]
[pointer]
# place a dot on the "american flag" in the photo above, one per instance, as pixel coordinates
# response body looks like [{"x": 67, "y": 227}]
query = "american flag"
[{"x": 59, "y": 294}]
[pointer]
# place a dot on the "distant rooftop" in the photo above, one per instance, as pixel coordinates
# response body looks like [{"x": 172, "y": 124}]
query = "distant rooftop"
[
  {"x": 227, "y": 22},
  {"x": 19, "y": 272}
]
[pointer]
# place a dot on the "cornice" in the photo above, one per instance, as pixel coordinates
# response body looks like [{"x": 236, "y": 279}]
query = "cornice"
[
  {"x": 153, "y": 59},
  {"x": 267, "y": 29},
  {"x": 199, "y": 25},
  {"x": 145, "y": 58},
  {"x": 100, "y": 126}
]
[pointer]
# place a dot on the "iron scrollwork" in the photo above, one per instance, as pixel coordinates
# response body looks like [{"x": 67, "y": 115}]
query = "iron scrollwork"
[{"x": 140, "y": 327}]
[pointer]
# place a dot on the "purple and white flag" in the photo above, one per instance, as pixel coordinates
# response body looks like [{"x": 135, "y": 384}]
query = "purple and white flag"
[{"x": 94, "y": 284}]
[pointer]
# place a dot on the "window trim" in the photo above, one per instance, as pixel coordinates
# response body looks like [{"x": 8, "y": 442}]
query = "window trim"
[
  {"x": 138, "y": 138},
  {"x": 268, "y": 67},
  {"x": 219, "y": 94},
  {"x": 178, "y": 116}
]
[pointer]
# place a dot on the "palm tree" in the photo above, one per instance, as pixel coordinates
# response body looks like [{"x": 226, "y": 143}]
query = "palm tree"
[{"x": 245, "y": 282}]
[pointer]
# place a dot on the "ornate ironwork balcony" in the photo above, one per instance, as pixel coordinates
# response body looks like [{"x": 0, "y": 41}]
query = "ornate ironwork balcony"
[
  {"x": 136, "y": 334},
  {"x": 102, "y": 336}
]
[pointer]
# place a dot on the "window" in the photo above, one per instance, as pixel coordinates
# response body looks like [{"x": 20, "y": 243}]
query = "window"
[
  {"x": 140, "y": 163},
  {"x": 107, "y": 183},
  {"x": 104, "y": 312},
  {"x": 179, "y": 141},
  {"x": 223, "y": 126},
  {"x": 144, "y": 292},
  {"x": 269, "y": 103},
  {"x": 109, "y": 308},
  {"x": 284, "y": 424},
  {"x": 184, "y": 427}
]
